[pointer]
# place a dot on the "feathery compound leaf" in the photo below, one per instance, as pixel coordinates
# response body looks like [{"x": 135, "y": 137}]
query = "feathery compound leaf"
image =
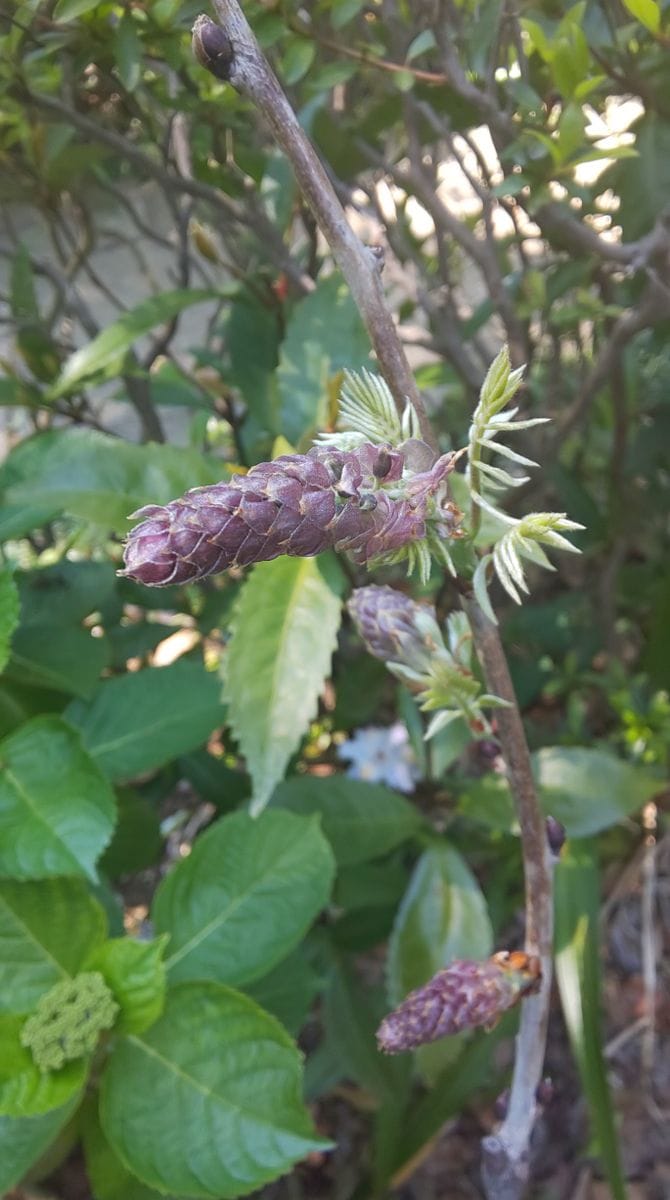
[
  {"x": 368, "y": 413},
  {"x": 499, "y": 387},
  {"x": 523, "y": 541}
]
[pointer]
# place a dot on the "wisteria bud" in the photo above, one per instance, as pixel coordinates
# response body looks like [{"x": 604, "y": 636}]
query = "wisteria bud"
[
  {"x": 465, "y": 995},
  {"x": 394, "y": 627},
  {"x": 299, "y": 505}
]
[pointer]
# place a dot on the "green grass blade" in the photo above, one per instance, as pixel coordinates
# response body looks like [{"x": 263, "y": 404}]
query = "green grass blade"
[{"x": 578, "y": 974}]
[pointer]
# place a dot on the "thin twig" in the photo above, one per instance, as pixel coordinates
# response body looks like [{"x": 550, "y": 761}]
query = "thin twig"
[{"x": 249, "y": 72}]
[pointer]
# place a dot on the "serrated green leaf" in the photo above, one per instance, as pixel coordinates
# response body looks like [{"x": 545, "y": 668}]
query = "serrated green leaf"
[
  {"x": 135, "y": 974},
  {"x": 113, "y": 342},
  {"x": 226, "y": 1112},
  {"x": 25, "y": 1091},
  {"x": 93, "y": 476},
  {"x": 284, "y": 634},
  {"x": 9, "y": 613},
  {"x": 586, "y": 789},
  {"x": 47, "y": 930},
  {"x": 137, "y": 722},
  {"x": 577, "y": 916},
  {"x": 244, "y": 897},
  {"x": 324, "y": 334},
  {"x": 443, "y": 916},
  {"x": 360, "y": 820},
  {"x": 23, "y": 1140},
  {"x": 57, "y": 811}
]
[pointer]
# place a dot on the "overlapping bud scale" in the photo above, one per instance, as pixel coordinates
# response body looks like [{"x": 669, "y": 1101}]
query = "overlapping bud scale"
[
  {"x": 465, "y": 995},
  {"x": 299, "y": 505}
]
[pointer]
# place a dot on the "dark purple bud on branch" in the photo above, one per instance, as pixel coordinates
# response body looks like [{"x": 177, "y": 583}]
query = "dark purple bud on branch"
[
  {"x": 466, "y": 995},
  {"x": 213, "y": 50},
  {"x": 555, "y": 835},
  {"x": 299, "y": 505}
]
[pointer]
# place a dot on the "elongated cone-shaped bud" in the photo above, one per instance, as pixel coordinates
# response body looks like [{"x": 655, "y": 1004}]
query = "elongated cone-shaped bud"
[
  {"x": 300, "y": 505},
  {"x": 394, "y": 627},
  {"x": 466, "y": 995}
]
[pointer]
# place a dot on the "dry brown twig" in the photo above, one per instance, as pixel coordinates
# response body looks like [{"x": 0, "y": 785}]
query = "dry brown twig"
[{"x": 230, "y": 51}]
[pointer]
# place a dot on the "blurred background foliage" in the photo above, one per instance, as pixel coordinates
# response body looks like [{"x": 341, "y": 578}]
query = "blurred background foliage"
[{"x": 171, "y": 314}]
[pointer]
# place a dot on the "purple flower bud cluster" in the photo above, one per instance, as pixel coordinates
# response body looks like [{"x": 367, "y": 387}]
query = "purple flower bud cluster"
[
  {"x": 395, "y": 628},
  {"x": 465, "y": 995},
  {"x": 300, "y": 505}
]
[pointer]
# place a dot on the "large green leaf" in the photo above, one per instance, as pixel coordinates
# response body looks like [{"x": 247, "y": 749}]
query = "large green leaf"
[
  {"x": 443, "y": 916},
  {"x": 23, "y": 1140},
  {"x": 285, "y": 627},
  {"x": 244, "y": 897},
  {"x": 642, "y": 183},
  {"x": 57, "y": 810},
  {"x": 324, "y": 334},
  {"x": 9, "y": 613},
  {"x": 96, "y": 477},
  {"x": 586, "y": 790},
  {"x": 67, "y": 10},
  {"x": 116, "y": 339},
  {"x": 287, "y": 991},
  {"x": 109, "y": 1178},
  {"x": 135, "y": 974},
  {"x": 226, "y": 1113},
  {"x": 360, "y": 820},
  {"x": 25, "y": 1091},
  {"x": 63, "y": 658},
  {"x": 647, "y": 12},
  {"x": 577, "y": 915},
  {"x": 352, "y": 1013},
  {"x": 139, "y": 721},
  {"x": 66, "y": 592},
  {"x": 47, "y": 930},
  {"x": 137, "y": 842}
]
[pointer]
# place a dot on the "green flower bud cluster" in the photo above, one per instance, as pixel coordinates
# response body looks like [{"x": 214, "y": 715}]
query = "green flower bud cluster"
[
  {"x": 406, "y": 636},
  {"x": 68, "y": 1021}
]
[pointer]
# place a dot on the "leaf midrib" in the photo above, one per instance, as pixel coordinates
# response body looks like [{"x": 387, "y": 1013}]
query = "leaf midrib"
[{"x": 223, "y": 916}]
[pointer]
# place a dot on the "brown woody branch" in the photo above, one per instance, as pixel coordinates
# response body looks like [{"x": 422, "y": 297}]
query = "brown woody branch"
[
  {"x": 239, "y": 58},
  {"x": 231, "y": 52}
]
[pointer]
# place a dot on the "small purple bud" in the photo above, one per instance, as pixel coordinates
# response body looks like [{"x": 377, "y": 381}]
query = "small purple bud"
[
  {"x": 544, "y": 1093},
  {"x": 213, "y": 50},
  {"x": 555, "y": 835}
]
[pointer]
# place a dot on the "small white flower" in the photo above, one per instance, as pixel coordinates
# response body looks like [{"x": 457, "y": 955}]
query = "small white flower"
[{"x": 381, "y": 754}]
